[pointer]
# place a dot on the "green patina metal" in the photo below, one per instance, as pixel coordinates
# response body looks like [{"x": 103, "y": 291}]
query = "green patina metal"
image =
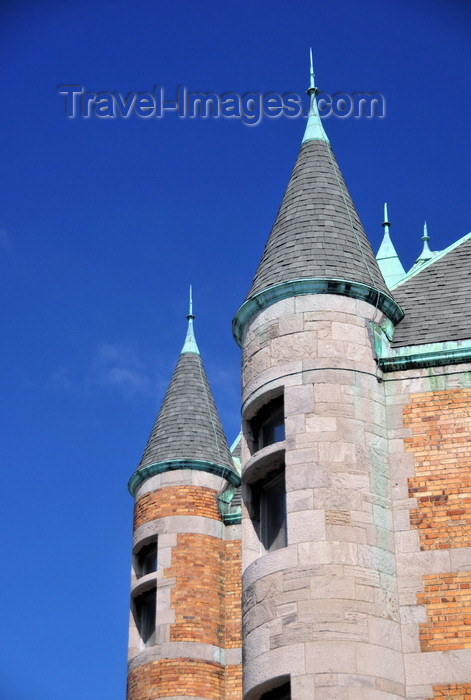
[
  {"x": 421, "y": 356},
  {"x": 388, "y": 260},
  {"x": 314, "y": 285},
  {"x": 314, "y": 129},
  {"x": 231, "y": 515},
  {"x": 172, "y": 465},
  {"x": 190, "y": 340}
]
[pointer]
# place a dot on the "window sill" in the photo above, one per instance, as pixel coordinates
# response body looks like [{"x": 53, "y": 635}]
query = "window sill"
[{"x": 263, "y": 462}]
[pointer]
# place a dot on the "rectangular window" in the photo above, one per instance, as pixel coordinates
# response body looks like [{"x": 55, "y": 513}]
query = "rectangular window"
[
  {"x": 144, "y": 615},
  {"x": 273, "y": 512},
  {"x": 145, "y": 559},
  {"x": 268, "y": 426}
]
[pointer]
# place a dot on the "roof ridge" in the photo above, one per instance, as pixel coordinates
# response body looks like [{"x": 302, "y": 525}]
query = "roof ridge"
[{"x": 413, "y": 272}]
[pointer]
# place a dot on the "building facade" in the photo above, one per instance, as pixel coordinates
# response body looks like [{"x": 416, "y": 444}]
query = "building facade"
[{"x": 327, "y": 554}]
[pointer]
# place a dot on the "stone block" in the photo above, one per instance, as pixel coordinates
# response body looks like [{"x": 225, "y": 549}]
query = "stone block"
[
  {"x": 384, "y": 632},
  {"x": 384, "y": 662},
  {"x": 328, "y": 586},
  {"x": 301, "y": 500},
  {"x": 287, "y": 660},
  {"x": 330, "y": 657},
  {"x": 299, "y": 400}
]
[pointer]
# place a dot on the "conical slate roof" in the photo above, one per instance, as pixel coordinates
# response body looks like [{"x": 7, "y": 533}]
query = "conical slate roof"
[
  {"x": 188, "y": 426},
  {"x": 317, "y": 232}
]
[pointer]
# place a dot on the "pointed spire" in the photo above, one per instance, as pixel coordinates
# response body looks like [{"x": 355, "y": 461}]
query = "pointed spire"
[
  {"x": 190, "y": 341},
  {"x": 425, "y": 238},
  {"x": 314, "y": 129},
  {"x": 188, "y": 427},
  {"x": 426, "y": 253},
  {"x": 317, "y": 244},
  {"x": 388, "y": 260}
]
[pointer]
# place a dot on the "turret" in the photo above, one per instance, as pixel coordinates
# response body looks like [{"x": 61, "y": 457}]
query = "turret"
[
  {"x": 319, "y": 587},
  {"x": 184, "y": 637}
]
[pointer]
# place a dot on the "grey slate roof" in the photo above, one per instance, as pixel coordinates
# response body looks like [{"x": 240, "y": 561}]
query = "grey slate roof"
[
  {"x": 436, "y": 301},
  {"x": 188, "y": 425},
  {"x": 312, "y": 235}
]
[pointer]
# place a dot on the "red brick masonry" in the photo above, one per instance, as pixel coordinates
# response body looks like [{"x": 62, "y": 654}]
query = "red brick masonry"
[{"x": 441, "y": 426}]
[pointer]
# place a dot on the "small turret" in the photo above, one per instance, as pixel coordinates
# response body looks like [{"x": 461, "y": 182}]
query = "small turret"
[{"x": 184, "y": 633}]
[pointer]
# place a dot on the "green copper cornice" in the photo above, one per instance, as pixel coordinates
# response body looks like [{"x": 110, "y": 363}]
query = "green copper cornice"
[
  {"x": 231, "y": 514},
  {"x": 429, "y": 355},
  {"x": 293, "y": 288},
  {"x": 144, "y": 473}
]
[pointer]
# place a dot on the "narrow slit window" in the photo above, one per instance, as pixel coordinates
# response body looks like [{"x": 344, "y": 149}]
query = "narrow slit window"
[
  {"x": 268, "y": 426},
  {"x": 144, "y": 615},
  {"x": 272, "y": 506},
  {"x": 145, "y": 560}
]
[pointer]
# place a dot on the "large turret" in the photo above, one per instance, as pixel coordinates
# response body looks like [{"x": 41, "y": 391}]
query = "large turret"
[{"x": 320, "y": 610}]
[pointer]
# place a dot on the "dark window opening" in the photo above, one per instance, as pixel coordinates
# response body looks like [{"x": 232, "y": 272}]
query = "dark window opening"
[
  {"x": 273, "y": 513},
  {"x": 283, "y": 692},
  {"x": 268, "y": 510},
  {"x": 268, "y": 426},
  {"x": 145, "y": 560},
  {"x": 144, "y": 615}
]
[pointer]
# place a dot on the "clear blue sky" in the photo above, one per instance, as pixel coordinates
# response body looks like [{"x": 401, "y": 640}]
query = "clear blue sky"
[{"x": 105, "y": 223}]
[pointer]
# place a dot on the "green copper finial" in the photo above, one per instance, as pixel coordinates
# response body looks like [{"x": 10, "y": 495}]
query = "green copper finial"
[
  {"x": 388, "y": 260},
  {"x": 425, "y": 237},
  {"x": 312, "y": 85},
  {"x": 190, "y": 314},
  {"x": 314, "y": 129},
  {"x": 426, "y": 252},
  {"x": 190, "y": 341}
]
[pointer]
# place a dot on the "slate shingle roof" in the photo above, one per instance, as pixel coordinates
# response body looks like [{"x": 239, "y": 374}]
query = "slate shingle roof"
[
  {"x": 436, "y": 301},
  {"x": 188, "y": 425},
  {"x": 312, "y": 235}
]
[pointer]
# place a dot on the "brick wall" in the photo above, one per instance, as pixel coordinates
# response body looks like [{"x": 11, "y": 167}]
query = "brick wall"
[
  {"x": 233, "y": 594},
  {"x": 173, "y": 677},
  {"x": 206, "y": 598},
  {"x": 441, "y": 426},
  {"x": 447, "y": 600},
  {"x": 453, "y": 691},
  {"x": 198, "y": 595},
  {"x": 176, "y": 500}
]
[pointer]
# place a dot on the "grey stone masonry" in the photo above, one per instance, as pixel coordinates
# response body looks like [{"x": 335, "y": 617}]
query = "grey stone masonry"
[
  {"x": 324, "y": 608},
  {"x": 317, "y": 231}
]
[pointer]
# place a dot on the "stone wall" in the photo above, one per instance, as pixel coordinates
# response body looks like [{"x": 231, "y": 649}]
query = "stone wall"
[{"x": 324, "y": 609}]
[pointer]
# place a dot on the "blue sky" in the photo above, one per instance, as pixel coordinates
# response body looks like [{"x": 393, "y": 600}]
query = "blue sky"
[{"x": 104, "y": 223}]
